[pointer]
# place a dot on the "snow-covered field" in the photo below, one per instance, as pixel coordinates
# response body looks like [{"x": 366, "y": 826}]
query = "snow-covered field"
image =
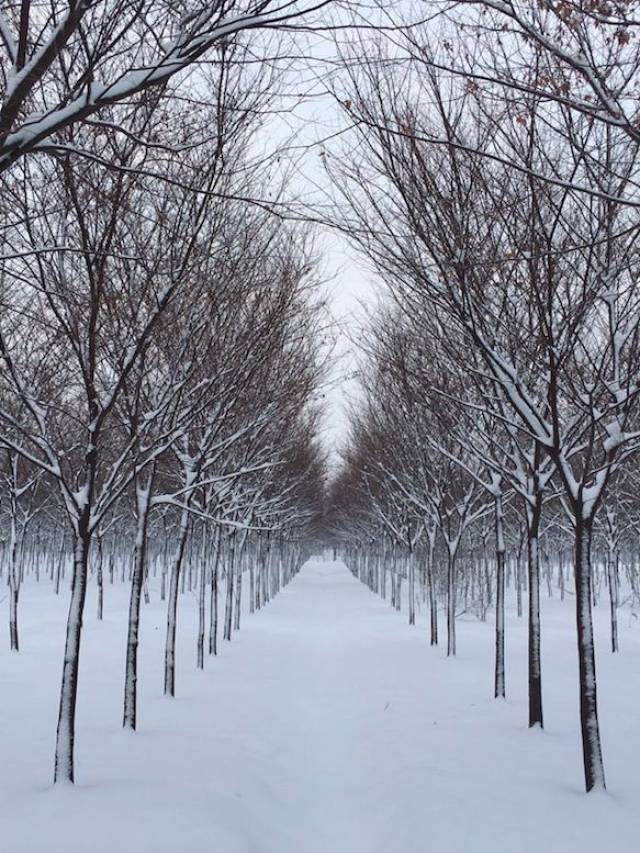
[{"x": 327, "y": 726}]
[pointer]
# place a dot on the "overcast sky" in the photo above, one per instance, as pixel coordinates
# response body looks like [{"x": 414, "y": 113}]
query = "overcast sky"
[{"x": 312, "y": 116}]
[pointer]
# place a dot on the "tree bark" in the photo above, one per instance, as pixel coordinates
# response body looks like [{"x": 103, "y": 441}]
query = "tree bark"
[
  {"x": 412, "y": 589},
  {"x": 100, "y": 579},
  {"x": 451, "y": 603},
  {"x": 591, "y": 745},
  {"x": 14, "y": 583},
  {"x": 228, "y": 606},
  {"x": 213, "y": 619},
  {"x": 129, "y": 719},
  {"x": 534, "y": 639},
  {"x": 172, "y": 610},
  {"x": 65, "y": 734},
  {"x": 201, "y": 598},
  {"x": 238, "y": 601},
  {"x": 252, "y": 582},
  {"x": 612, "y": 577},
  {"x": 433, "y": 603},
  {"x": 499, "y": 680}
]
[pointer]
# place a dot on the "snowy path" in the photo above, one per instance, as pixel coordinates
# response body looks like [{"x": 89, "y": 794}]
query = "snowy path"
[{"x": 328, "y": 726}]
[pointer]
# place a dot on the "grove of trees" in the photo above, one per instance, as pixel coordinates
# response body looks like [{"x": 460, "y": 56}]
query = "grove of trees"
[
  {"x": 498, "y": 414},
  {"x": 159, "y": 329},
  {"x": 162, "y": 325}
]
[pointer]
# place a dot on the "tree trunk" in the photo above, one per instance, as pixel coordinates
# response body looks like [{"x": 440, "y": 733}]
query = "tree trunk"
[
  {"x": 451, "y": 603},
  {"x": 267, "y": 570},
  {"x": 165, "y": 565},
  {"x": 612, "y": 577},
  {"x": 260, "y": 567},
  {"x": 172, "y": 610},
  {"x": 228, "y": 606},
  {"x": 100, "y": 580},
  {"x": 238, "y": 602},
  {"x": 433, "y": 603},
  {"x": 61, "y": 558},
  {"x": 482, "y": 562},
  {"x": 213, "y": 623},
  {"x": 201, "y": 598},
  {"x": 14, "y": 583},
  {"x": 112, "y": 562},
  {"x": 133, "y": 628},
  {"x": 411, "y": 568},
  {"x": 499, "y": 680},
  {"x": 65, "y": 735},
  {"x": 252, "y": 582},
  {"x": 591, "y": 746},
  {"x": 13, "y": 618},
  {"x": 534, "y": 639}
]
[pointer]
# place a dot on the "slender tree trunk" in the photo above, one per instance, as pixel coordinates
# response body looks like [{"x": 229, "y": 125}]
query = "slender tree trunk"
[
  {"x": 35, "y": 557},
  {"x": 100, "y": 579},
  {"x": 534, "y": 639},
  {"x": 228, "y": 606},
  {"x": 411, "y": 568},
  {"x": 482, "y": 562},
  {"x": 487, "y": 584},
  {"x": 165, "y": 565},
  {"x": 499, "y": 681},
  {"x": 213, "y": 623},
  {"x": 13, "y": 617},
  {"x": 201, "y": 598},
  {"x": 451, "y": 603},
  {"x": 260, "y": 571},
  {"x": 129, "y": 719},
  {"x": 65, "y": 734},
  {"x": 278, "y": 567},
  {"x": 612, "y": 577},
  {"x": 61, "y": 557},
  {"x": 172, "y": 610},
  {"x": 14, "y": 583},
  {"x": 433, "y": 603},
  {"x": 267, "y": 573},
  {"x": 238, "y": 601},
  {"x": 252, "y": 581},
  {"x": 591, "y": 745}
]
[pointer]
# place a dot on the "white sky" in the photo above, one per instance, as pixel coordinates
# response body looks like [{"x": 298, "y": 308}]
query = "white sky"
[
  {"x": 348, "y": 281},
  {"x": 308, "y": 121},
  {"x": 350, "y": 288}
]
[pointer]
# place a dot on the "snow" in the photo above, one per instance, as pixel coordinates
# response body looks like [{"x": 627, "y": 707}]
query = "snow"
[
  {"x": 328, "y": 725},
  {"x": 615, "y": 436},
  {"x": 81, "y": 496}
]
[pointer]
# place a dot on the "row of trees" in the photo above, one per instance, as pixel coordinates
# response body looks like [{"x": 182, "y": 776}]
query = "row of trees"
[
  {"x": 156, "y": 335},
  {"x": 502, "y": 389},
  {"x": 160, "y": 326}
]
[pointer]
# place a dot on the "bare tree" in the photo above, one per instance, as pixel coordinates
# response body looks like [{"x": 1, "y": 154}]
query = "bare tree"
[{"x": 65, "y": 62}]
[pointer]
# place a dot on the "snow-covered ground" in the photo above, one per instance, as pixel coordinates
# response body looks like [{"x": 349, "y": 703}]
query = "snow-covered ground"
[{"x": 327, "y": 726}]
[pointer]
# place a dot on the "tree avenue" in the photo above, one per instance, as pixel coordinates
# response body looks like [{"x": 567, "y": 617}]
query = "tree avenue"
[{"x": 164, "y": 331}]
